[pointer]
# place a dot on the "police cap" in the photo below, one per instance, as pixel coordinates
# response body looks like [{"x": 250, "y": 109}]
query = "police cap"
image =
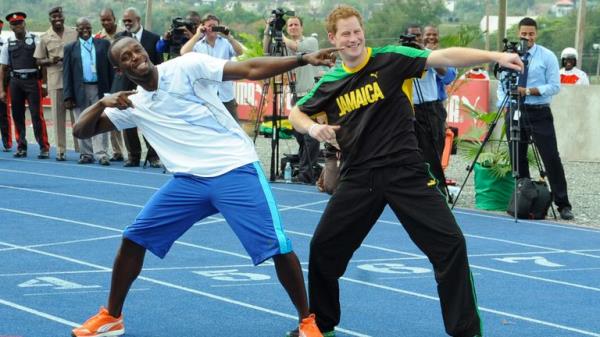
[{"x": 16, "y": 17}]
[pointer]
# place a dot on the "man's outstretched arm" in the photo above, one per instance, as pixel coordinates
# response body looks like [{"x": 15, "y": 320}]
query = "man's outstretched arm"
[
  {"x": 463, "y": 57},
  {"x": 259, "y": 68},
  {"x": 94, "y": 121}
]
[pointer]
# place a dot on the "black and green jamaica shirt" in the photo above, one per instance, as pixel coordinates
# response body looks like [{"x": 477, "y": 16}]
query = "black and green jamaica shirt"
[{"x": 372, "y": 105}]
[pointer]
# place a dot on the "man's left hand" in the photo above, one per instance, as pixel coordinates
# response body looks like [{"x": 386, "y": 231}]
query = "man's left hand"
[{"x": 323, "y": 57}]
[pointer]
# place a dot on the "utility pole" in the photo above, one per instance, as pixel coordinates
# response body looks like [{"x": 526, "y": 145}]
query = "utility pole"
[
  {"x": 487, "y": 25},
  {"x": 148, "y": 21},
  {"x": 501, "y": 23},
  {"x": 580, "y": 32}
]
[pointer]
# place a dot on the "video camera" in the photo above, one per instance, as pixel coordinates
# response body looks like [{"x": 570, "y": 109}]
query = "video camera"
[
  {"x": 517, "y": 47},
  {"x": 409, "y": 40},
  {"x": 177, "y": 26},
  {"x": 278, "y": 22}
]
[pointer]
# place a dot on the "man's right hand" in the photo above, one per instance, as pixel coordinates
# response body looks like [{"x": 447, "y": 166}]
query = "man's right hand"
[
  {"x": 323, "y": 57},
  {"x": 3, "y": 96},
  {"x": 69, "y": 104},
  {"x": 119, "y": 100}
]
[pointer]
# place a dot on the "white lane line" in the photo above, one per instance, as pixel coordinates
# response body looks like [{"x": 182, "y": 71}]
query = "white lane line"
[
  {"x": 38, "y": 313},
  {"x": 89, "y": 167},
  {"x": 66, "y": 242},
  {"x": 547, "y": 280},
  {"x": 575, "y": 285},
  {"x": 565, "y": 270},
  {"x": 541, "y": 223},
  {"x": 427, "y": 296},
  {"x": 80, "y": 292},
  {"x": 182, "y": 288},
  {"x": 72, "y": 196},
  {"x": 493, "y": 311},
  {"x": 104, "y": 182}
]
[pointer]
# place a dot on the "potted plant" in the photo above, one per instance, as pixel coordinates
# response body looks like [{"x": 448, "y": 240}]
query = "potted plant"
[{"x": 494, "y": 184}]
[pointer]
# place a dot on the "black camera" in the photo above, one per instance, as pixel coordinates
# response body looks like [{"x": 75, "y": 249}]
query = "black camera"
[
  {"x": 220, "y": 29},
  {"x": 521, "y": 48},
  {"x": 518, "y": 47},
  {"x": 177, "y": 27},
  {"x": 276, "y": 25},
  {"x": 409, "y": 40}
]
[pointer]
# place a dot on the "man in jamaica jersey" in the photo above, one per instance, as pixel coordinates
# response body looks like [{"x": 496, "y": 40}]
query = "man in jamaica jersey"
[{"x": 371, "y": 119}]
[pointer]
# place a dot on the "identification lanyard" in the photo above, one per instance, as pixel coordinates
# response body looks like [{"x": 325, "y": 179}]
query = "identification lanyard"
[{"x": 90, "y": 51}]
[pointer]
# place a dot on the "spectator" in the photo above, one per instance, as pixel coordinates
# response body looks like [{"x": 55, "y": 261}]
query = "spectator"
[
  {"x": 569, "y": 73},
  {"x": 24, "y": 84},
  {"x": 49, "y": 54},
  {"x": 87, "y": 77},
  {"x": 148, "y": 39},
  {"x": 171, "y": 43},
  {"x": 216, "y": 44},
  {"x": 308, "y": 148},
  {"x": 108, "y": 32},
  {"x": 5, "y": 120},
  {"x": 537, "y": 84}
]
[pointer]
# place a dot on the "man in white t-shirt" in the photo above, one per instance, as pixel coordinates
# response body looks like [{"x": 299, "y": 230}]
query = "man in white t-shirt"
[{"x": 215, "y": 166}]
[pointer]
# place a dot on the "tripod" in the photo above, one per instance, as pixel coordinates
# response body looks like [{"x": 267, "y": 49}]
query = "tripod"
[
  {"x": 513, "y": 104},
  {"x": 276, "y": 48}
]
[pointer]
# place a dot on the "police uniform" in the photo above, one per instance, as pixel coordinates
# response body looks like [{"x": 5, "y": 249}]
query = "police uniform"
[
  {"x": 5, "y": 119},
  {"x": 52, "y": 45},
  {"x": 24, "y": 85}
]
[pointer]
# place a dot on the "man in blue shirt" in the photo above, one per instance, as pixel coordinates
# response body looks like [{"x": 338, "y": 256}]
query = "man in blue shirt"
[
  {"x": 220, "y": 45},
  {"x": 87, "y": 76},
  {"x": 537, "y": 85}
]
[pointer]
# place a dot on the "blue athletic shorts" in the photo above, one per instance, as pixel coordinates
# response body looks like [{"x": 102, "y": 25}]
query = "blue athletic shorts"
[{"x": 242, "y": 196}]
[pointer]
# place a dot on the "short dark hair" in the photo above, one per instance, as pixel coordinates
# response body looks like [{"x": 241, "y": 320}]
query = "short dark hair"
[
  {"x": 108, "y": 10},
  {"x": 527, "y": 21},
  {"x": 412, "y": 25},
  {"x": 299, "y": 19},
  {"x": 209, "y": 16},
  {"x": 111, "y": 57}
]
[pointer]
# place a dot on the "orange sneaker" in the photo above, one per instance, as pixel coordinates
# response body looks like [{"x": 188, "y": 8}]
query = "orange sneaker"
[
  {"x": 308, "y": 327},
  {"x": 100, "y": 325}
]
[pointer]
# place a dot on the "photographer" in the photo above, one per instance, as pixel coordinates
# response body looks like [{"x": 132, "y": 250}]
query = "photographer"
[
  {"x": 308, "y": 150},
  {"x": 537, "y": 84},
  {"x": 180, "y": 32},
  {"x": 429, "y": 110},
  {"x": 215, "y": 40}
]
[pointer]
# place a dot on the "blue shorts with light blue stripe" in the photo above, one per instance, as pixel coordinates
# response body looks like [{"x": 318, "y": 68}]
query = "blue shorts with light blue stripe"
[{"x": 243, "y": 196}]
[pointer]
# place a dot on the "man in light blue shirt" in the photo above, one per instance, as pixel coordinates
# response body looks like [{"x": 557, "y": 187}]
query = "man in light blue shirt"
[
  {"x": 537, "y": 84},
  {"x": 220, "y": 45}
]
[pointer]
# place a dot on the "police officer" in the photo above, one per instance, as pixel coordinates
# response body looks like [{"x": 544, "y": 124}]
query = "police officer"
[
  {"x": 49, "y": 54},
  {"x": 5, "y": 120},
  {"x": 17, "y": 59}
]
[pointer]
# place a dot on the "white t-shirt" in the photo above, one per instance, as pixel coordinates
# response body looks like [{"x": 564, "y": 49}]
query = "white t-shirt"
[{"x": 185, "y": 121}]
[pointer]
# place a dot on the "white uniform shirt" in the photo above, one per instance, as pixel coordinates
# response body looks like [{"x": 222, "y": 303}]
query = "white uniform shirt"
[
  {"x": 185, "y": 121},
  {"x": 29, "y": 39}
]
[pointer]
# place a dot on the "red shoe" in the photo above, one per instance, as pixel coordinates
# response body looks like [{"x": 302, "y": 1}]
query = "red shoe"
[
  {"x": 308, "y": 327},
  {"x": 100, "y": 325}
]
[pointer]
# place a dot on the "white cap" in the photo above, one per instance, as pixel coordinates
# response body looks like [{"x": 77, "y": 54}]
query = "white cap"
[{"x": 569, "y": 53}]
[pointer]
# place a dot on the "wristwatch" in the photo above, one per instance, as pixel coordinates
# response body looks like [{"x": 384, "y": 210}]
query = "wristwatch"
[
  {"x": 300, "y": 59},
  {"x": 527, "y": 92}
]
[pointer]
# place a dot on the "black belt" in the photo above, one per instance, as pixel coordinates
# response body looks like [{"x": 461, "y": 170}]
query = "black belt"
[
  {"x": 532, "y": 107},
  {"x": 90, "y": 83},
  {"x": 23, "y": 76},
  {"x": 428, "y": 103}
]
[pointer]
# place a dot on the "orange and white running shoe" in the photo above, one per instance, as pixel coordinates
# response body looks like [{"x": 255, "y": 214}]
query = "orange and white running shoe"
[
  {"x": 308, "y": 327},
  {"x": 100, "y": 325}
]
